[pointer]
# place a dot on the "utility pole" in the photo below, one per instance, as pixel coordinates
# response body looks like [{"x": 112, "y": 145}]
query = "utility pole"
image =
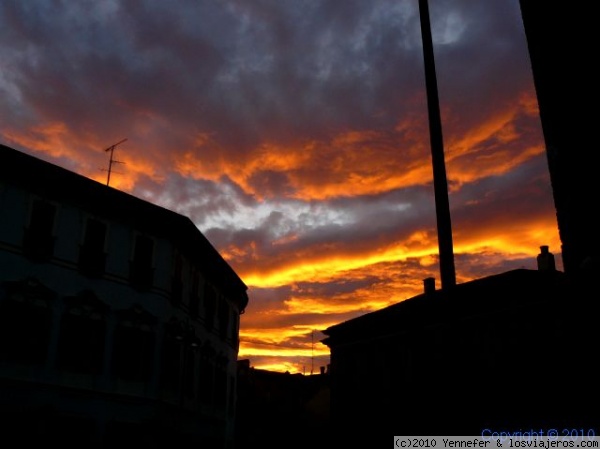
[
  {"x": 312, "y": 351},
  {"x": 440, "y": 183},
  {"x": 111, "y": 160}
]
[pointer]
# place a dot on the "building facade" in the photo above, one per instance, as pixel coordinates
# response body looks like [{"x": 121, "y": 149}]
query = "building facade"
[
  {"x": 561, "y": 42},
  {"x": 119, "y": 321},
  {"x": 507, "y": 352}
]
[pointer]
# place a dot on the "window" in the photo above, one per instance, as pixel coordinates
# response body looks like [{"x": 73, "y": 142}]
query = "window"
[
  {"x": 38, "y": 243},
  {"x": 194, "y": 293},
  {"x": 92, "y": 257},
  {"x": 134, "y": 346},
  {"x": 189, "y": 369},
  {"x": 177, "y": 280},
  {"x": 24, "y": 332},
  {"x": 233, "y": 329},
  {"x": 25, "y": 322},
  {"x": 223, "y": 318},
  {"x": 82, "y": 334},
  {"x": 172, "y": 355},
  {"x": 206, "y": 382},
  {"x": 210, "y": 305},
  {"x": 171, "y": 364},
  {"x": 221, "y": 383},
  {"x": 141, "y": 269}
]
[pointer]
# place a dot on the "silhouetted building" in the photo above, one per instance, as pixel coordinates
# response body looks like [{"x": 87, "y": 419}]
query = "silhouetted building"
[
  {"x": 119, "y": 321},
  {"x": 281, "y": 409},
  {"x": 561, "y": 43},
  {"x": 506, "y": 352},
  {"x": 503, "y": 352}
]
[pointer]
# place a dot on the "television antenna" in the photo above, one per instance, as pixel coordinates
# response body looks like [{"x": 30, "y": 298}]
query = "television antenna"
[{"x": 111, "y": 161}]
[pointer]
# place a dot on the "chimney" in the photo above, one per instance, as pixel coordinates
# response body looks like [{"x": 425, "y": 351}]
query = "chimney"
[
  {"x": 429, "y": 285},
  {"x": 545, "y": 259}
]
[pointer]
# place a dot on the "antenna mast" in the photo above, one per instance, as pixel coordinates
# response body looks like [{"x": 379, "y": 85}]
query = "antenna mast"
[{"x": 111, "y": 160}]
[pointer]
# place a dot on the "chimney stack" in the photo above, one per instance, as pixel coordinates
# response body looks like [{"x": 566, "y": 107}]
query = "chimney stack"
[
  {"x": 429, "y": 285},
  {"x": 545, "y": 259}
]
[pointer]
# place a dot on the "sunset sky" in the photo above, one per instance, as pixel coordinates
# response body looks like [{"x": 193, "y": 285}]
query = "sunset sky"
[{"x": 294, "y": 134}]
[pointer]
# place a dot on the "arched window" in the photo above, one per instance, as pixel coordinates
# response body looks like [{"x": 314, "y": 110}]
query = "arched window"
[
  {"x": 133, "y": 352},
  {"x": 190, "y": 363},
  {"x": 25, "y": 322},
  {"x": 172, "y": 355},
  {"x": 82, "y": 334},
  {"x": 206, "y": 381},
  {"x": 221, "y": 382}
]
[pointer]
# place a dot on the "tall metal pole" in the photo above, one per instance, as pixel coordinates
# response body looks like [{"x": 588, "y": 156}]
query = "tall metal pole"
[
  {"x": 312, "y": 352},
  {"x": 440, "y": 183}
]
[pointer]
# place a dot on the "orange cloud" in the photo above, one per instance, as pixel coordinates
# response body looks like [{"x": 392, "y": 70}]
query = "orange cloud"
[
  {"x": 57, "y": 140},
  {"x": 364, "y": 162},
  {"x": 510, "y": 238},
  {"x": 468, "y": 159},
  {"x": 351, "y": 163},
  {"x": 49, "y": 138},
  {"x": 321, "y": 270},
  {"x": 394, "y": 283}
]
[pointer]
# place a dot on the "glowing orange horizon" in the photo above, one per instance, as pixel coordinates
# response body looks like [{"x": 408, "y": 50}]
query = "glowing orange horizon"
[
  {"x": 351, "y": 163},
  {"x": 321, "y": 269},
  {"x": 274, "y": 342}
]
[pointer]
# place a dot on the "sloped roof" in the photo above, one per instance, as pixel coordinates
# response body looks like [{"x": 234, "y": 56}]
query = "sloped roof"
[
  {"x": 56, "y": 183},
  {"x": 511, "y": 289}
]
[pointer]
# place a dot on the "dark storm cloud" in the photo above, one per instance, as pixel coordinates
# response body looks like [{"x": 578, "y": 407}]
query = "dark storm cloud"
[
  {"x": 248, "y": 72},
  {"x": 502, "y": 198},
  {"x": 256, "y": 68},
  {"x": 271, "y": 183}
]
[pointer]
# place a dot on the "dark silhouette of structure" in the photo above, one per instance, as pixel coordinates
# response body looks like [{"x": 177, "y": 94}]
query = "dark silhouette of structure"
[
  {"x": 119, "y": 321},
  {"x": 560, "y": 43},
  {"x": 277, "y": 410},
  {"x": 506, "y": 352}
]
